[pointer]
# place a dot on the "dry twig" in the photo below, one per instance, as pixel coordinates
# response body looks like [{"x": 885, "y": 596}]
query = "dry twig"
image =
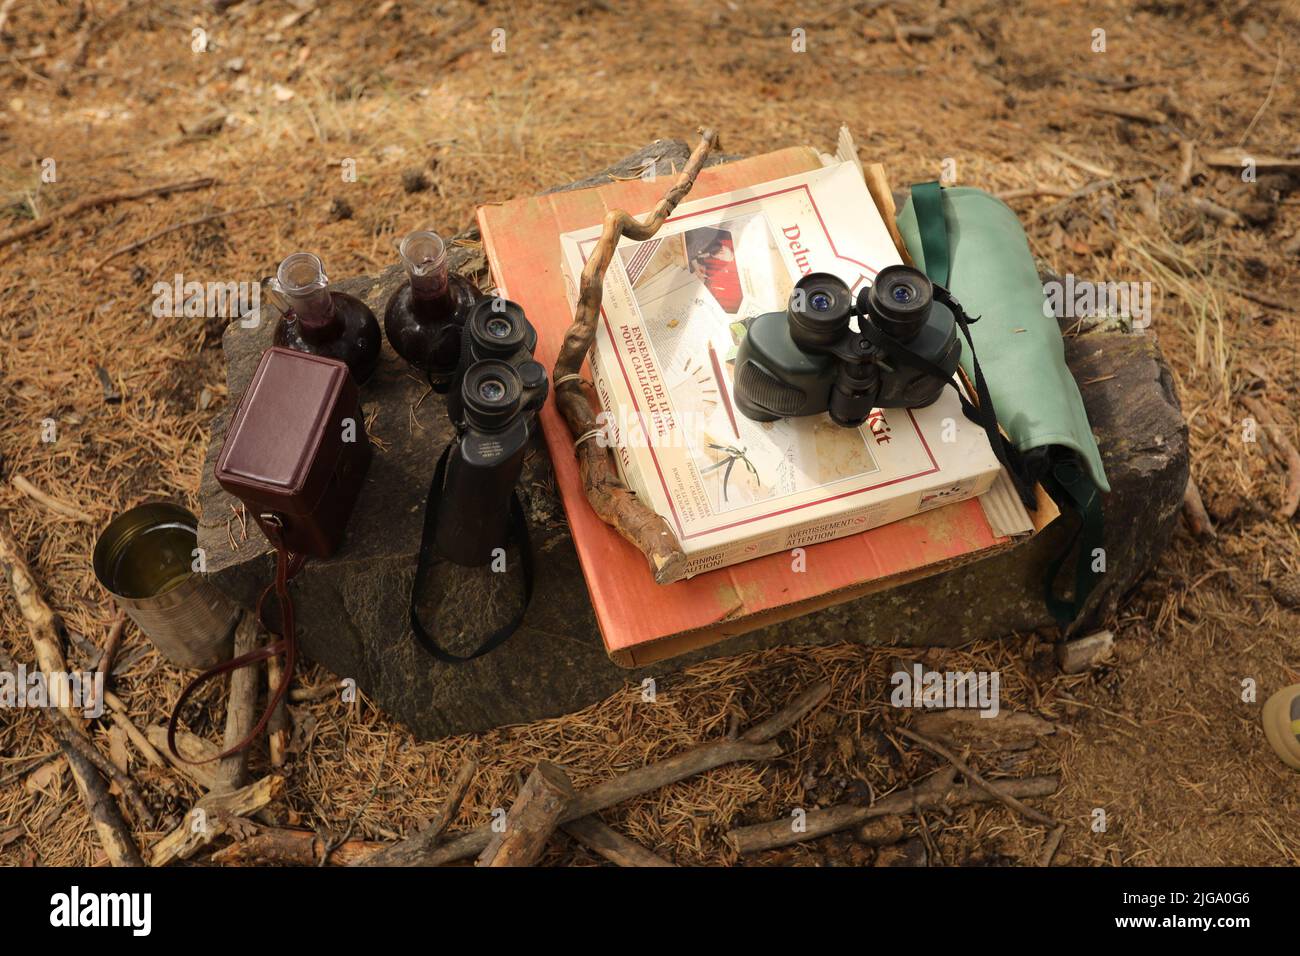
[
  {"x": 532, "y": 819},
  {"x": 409, "y": 852},
  {"x": 211, "y": 217},
  {"x": 754, "y": 744},
  {"x": 610, "y": 498},
  {"x": 934, "y": 793},
  {"x": 37, "y": 226},
  {"x": 42, "y": 628},
  {"x": 1198, "y": 519},
  {"x": 965, "y": 770},
  {"x": 49, "y": 501},
  {"x": 1291, "y": 494},
  {"x": 597, "y": 836}
]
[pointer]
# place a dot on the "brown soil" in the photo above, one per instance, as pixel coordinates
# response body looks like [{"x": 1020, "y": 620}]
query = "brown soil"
[{"x": 1159, "y": 738}]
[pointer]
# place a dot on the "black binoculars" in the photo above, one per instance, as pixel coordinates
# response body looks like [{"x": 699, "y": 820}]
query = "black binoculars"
[
  {"x": 493, "y": 404},
  {"x": 810, "y": 359}
]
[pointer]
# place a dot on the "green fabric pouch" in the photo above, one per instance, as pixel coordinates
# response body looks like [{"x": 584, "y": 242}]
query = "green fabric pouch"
[
  {"x": 991, "y": 271},
  {"x": 972, "y": 244}
]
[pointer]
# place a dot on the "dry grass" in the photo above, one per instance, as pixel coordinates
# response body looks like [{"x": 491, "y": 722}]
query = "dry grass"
[{"x": 1160, "y": 739}]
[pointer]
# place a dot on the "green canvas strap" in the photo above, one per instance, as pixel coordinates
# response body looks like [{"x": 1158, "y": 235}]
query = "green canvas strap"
[
  {"x": 1074, "y": 483},
  {"x": 927, "y": 200}
]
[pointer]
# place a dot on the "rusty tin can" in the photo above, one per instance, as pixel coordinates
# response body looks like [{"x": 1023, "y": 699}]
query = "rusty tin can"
[{"x": 146, "y": 559}]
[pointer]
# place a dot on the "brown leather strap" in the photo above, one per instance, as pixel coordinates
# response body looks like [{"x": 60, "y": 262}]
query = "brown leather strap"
[{"x": 286, "y": 566}]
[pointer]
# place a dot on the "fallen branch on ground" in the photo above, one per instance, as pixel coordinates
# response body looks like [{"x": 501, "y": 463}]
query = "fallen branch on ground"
[
  {"x": 241, "y": 709},
  {"x": 191, "y": 747},
  {"x": 1291, "y": 494},
  {"x": 278, "y": 847},
  {"x": 1050, "y": 846},
  {"x": 1186, "y": 164},
  {"x": 73, "y": 740},
  {"x": 595, "y": 835},
  {"x": 755, "y": 744},
  {"x": 214, "y": 815},
  {"x": 1198, "y": 519},
  {"x": 104, "y": 667},
  {"x": 970, "y": 775},
  {"x": 410, "y": 852},
  {"x": 49, "y": 501},
  {"x": 1229, "y": 217},
  {"x": 279, "y": 728},
  {"x": 37, "y": 226},
  {"x": 532, "y": 819},
  {"x": 934, "y": 793},
  {"x": 1238, "y": 158},
  {"x": 122, "y": 718},
  {"x": 42, "y": 628},
  {"x": 229, "y": 795},
  {"x": 177, "y": 227}
]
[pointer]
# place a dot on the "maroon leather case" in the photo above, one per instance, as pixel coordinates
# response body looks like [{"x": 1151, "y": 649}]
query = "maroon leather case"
[{"x": 296, "y": 451}]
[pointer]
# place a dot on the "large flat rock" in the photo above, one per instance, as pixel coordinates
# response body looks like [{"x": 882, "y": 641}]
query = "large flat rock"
[{"x": 352, "y": 609}]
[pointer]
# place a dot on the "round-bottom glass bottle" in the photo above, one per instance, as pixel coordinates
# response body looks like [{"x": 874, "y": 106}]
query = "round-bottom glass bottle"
[
  {"x": 424, "y": 318},
  {"x": 321, "y": 322}
]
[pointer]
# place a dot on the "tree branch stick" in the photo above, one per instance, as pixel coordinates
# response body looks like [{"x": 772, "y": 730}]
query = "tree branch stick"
[
  {"x": 280, "y": 847},
  {"x": 1198, "y": 519},
  {"x": 37, "y": 226},
  {"x": 757, "y": 744},
  {"x": 410, "y": 851},
  {"x": 49, "y": 501},
  {"x": 278, "y": 727},
  {"x": 1291, "y": 495},
  {"x": 42, "y": 628},
  {"x": 191, "y": 747},
  {"x": 177, "y": 227},
  {"x": 531, "y": 820},
  {"x": 241, "y": 709},
  {"x": 934, "y": 793},
  {"x": 74, "y": 740},
  {"x": 122, "y": 718},
  {"x": 965, "y": 770},
  {"x": 612, "y": 501},
  {"x": 212, "y": 816},
  {"x": 595, "y": 835}
]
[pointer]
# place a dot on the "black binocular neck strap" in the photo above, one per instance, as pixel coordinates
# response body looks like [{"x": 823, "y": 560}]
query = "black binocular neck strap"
[
  {"x": 983, "y": 414},
  {"x": 518, "y": 533}
]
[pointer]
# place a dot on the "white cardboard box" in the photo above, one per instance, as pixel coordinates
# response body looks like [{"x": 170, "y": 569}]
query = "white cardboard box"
[{"x": 731, "y": 488}]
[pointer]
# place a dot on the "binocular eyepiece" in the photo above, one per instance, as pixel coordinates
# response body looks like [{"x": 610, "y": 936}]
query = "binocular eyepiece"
[
  {"x": 821, "y": 306},
  {"x": 493, "y": 392},
  {"x": 498, "y": 328}
]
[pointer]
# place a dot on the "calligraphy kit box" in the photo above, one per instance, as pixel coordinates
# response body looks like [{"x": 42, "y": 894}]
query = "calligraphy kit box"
[{"x": 673, "y": 314}]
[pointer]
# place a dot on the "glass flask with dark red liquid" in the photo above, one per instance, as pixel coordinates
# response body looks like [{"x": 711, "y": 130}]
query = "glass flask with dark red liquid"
[
  {"x": 321, "y": 322},
  {"x": 424, "y": 318}
]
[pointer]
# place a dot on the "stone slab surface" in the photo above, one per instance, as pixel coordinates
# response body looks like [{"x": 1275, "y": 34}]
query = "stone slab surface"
[{"x": 352, "y": 610}]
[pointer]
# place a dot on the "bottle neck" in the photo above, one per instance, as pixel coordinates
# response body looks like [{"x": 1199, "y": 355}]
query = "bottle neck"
[
  {"x": 316, "y": 315},
  {"x": 301, "y": 283},
  {"x": 425, "y": 257}
]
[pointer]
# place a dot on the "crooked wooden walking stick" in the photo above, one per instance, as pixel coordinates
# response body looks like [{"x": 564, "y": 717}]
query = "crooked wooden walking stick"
[{"x": 613, "y": 502}]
